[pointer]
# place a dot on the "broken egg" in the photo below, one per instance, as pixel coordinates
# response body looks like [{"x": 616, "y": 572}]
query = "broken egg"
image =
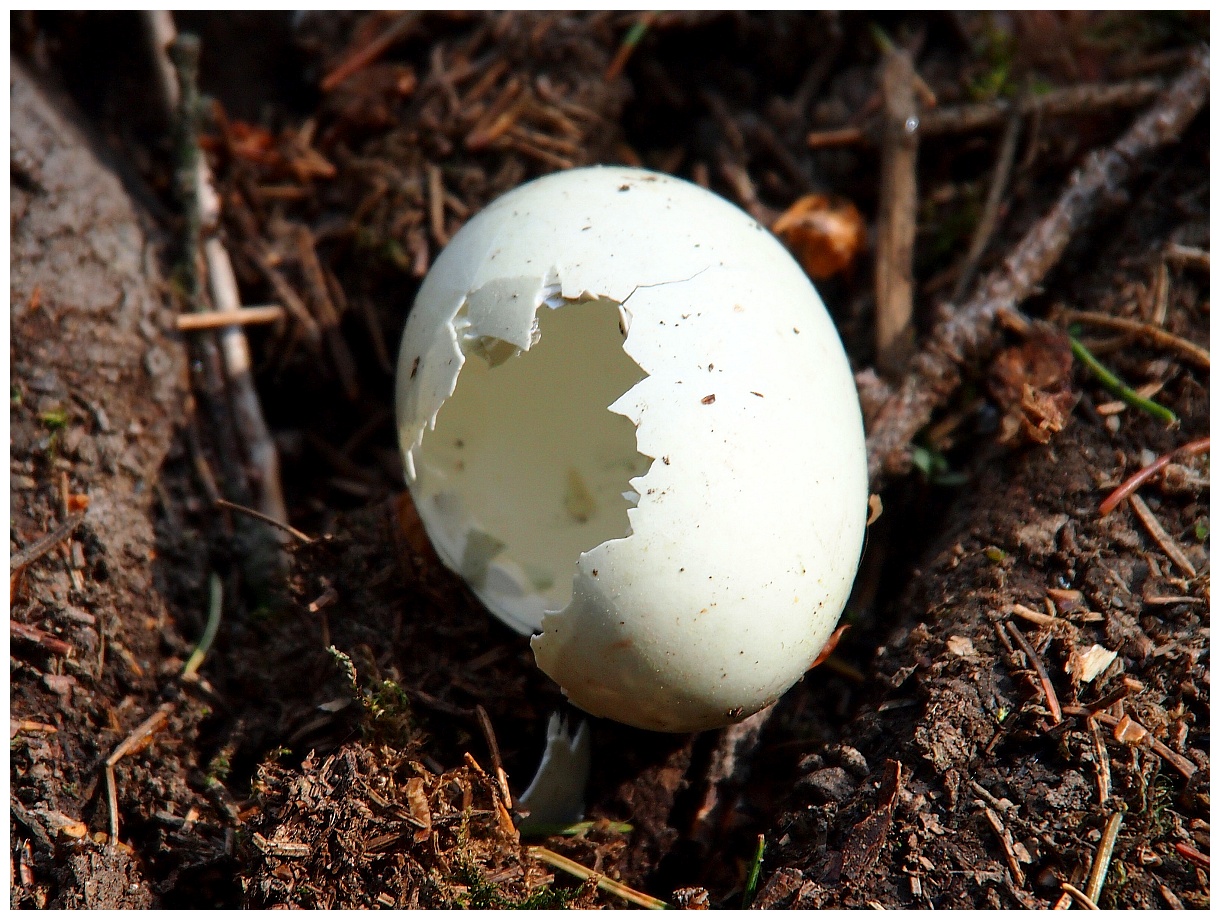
[{"x": 629, "y": 424}]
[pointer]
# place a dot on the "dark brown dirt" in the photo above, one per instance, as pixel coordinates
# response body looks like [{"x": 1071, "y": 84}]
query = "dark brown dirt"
[{"x": 329, "y": 753}]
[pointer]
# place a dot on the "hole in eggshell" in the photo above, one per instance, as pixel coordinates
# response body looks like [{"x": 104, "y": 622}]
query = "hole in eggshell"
[{"x": 527, "y": 468}]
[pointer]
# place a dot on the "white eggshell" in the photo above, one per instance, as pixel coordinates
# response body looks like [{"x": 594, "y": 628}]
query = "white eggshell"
[{"x": 713, "y": 594}]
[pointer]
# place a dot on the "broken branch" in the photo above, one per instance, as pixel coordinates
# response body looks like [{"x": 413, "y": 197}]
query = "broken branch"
[{"x": 970, "y": 332}]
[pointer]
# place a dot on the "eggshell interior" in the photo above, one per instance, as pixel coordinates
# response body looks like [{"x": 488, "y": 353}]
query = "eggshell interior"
[{"x": 682, "y": 578}]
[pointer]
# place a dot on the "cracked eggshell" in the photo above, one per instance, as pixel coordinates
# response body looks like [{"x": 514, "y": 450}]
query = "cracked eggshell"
[{"x": 714, "y": 593}]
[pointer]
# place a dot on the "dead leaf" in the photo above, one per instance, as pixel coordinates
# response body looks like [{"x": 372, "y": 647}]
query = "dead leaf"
[
  {"x": 825, "y": 234},
  {"x": 417, "y": 801},
  {"x": 1031, "y": 382}
]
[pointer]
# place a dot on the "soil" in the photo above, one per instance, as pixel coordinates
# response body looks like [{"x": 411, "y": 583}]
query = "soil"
[{"x": 1025, "y": 683}]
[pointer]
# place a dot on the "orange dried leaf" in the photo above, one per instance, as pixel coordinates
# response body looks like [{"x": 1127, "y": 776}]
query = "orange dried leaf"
[{"x": 825, "y": 234}]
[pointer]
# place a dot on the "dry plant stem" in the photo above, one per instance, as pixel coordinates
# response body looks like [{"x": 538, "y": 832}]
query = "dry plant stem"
[
  {"x": 1102, "y": 758},
  {"x": 1115, "y": 498},
  {"x": 243, "y": 316},
  {"x": 553, "y": 859},
  {"x": 362, "y": 57},
  {"x": 1105, "y": 852},
  {"x": 1085, "y": 901},
  {"x": 895, "y": 336},
  {"x": 259, "y": 516},
  {"x": 328, "y": 317},
  {"x": 1035, "y": 661},
  {"x": 43, "y": 545},
  {"x": 1180, "y": 763},
  {"x": 1010, "y": 854},
  {"x": 991, "y": 210},
  {"x": 1189, "y": 256},
  {"x": 970, "y": 332},
  {"x": 34, "y": 634},
  {"x": 247, "y": 409},
  {"x": 1167, "y": 544},
  {"x": 1070, "y": 100},
  {"x": 1200, "y": 357},
  {"x": 132, "y": 742},
  {"x": 493, "y": 748}
]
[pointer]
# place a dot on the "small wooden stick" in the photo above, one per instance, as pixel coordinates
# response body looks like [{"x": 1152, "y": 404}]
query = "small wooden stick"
[
  {"x": 1182, "y": 764},
  {"x": 1200, "y": 357},
  {"x": 493, "y": 748},
  {"x": 1167, "y": 543},
  {"x": 1085, "y": 901},
  {"x": 1006, "y": 843},
  {"x": 43, "y": 545},
  {"x": 1115, "y": 498},
  {"x": 551, "y": 858},
  {"x": 1189, "y": 256},
  {"x": 1048, "y": 689},
  {"x": 362, "y": 57},
  {"x": 1105, "y": 852},
  {"x": 132, "y": 742},
  {"x": 895, "y": 336},
  {"x": 1069, "y": 100},
  {"x": 258, "y": 515},
  {"x": 242, "y": 316},
  {"x": 970, "y": 333},
  {"x": 991, "y": 210}
]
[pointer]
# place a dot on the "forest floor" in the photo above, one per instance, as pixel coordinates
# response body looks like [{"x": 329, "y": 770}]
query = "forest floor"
[{"x": 208, "y": 712}]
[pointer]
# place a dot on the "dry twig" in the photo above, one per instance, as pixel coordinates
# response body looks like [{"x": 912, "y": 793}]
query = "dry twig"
[
  {"x": 1070, "y": 100},
  {"x": 43, "y": 545},
  {"x": 991, "y": 210},
  {"x": 1115, "y": 498},
  {"x": 1158, "y": 533},
  {"x": 1101, "y": 861},
  {"x": 242, "y": 316},
  {"x": 895, "y": 336},
  {"x": 259, "y": 516},
  {"x": 1200, "y": 357},
  {"x": 139, "y": 735},
  {"x": 1035, "y": 661},
  {"x": 553, "y": 859},
  {"x": 1085, "y": 901},
  {"x": 970, "y": 332}
]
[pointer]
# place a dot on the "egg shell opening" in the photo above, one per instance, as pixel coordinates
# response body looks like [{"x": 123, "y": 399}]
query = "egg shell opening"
[{"x": 730, "y": 526}]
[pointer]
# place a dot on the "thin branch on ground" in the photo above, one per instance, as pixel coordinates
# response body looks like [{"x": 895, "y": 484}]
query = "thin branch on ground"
[
  {"x": 1035, "y": 661},
  {"x": 242, "y": 316},
  {"x": 258, "y": 515},
  {"x": 1196, "y": 355},
  {"x": 1115, "y": 498},
  {"x": 1189, "y": 256},
  {"x": 970, "y": 333},
  {"x": 43, "y": 545},
  {"x": 991, "y": 210},
  {"x": 1101, "y": 861},
  {"x": 1069, "y": 100},
  {"x": 1085, "y": 901},
  {"x": 556, "y": 861},
  {"x": 893, "y": 286},
  {"x": 493, "y": 748},
  {"x": 136, "y": 739},
  {"x": 1162, "y": 538}
]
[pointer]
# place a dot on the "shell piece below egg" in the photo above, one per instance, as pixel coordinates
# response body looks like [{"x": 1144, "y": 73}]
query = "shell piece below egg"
[{"x": 629, "y": 424}]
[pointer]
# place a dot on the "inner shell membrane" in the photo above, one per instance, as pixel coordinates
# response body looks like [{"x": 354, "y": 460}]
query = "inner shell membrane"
[{"x": 527, "y": 468}]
